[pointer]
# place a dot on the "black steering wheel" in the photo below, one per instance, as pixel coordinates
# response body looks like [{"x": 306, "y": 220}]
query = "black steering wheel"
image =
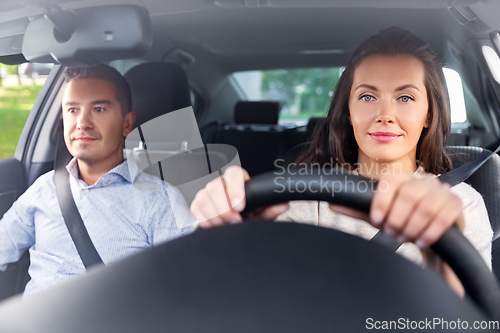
[
  {"x": 357, "y": 192},
  {"x": 266, "y": 277}
]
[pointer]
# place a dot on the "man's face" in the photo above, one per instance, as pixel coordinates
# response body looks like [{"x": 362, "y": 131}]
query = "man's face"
[{"x": 94, "y": 125}]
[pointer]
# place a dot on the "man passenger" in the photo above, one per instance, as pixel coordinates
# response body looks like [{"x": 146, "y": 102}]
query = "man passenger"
[{"x": 120, "y": 219}]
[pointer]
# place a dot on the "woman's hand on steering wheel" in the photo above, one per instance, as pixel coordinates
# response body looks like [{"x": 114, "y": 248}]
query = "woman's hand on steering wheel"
[
  {"x": 222, "y": 200},
  {"x": 412, "y": 209}
]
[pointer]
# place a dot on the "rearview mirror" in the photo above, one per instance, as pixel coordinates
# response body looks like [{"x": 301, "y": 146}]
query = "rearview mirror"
[{"x": 99, "y": 34}]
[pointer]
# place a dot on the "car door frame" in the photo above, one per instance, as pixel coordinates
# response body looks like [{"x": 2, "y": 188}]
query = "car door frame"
[{"x": 19, "y": 172}]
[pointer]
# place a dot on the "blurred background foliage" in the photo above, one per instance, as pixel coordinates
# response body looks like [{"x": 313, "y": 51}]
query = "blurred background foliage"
[{"x": 17, "y": 96}]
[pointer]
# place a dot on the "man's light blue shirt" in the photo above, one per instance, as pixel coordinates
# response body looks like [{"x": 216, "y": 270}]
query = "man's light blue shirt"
[{"x": 120, "y": 219}]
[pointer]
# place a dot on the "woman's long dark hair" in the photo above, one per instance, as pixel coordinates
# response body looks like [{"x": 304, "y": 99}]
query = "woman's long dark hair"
[{"x": 333, "y": 139}]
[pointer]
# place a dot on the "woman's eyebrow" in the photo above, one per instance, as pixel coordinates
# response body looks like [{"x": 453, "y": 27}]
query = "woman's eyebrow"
[
  {"x": 403, "y": 87},
  {"x": 407, "y": 86},
  {"x": 366, "y": 86}
]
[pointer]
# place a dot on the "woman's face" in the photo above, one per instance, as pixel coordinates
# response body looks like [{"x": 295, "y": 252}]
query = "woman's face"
[{"x": 388, "y": 109}]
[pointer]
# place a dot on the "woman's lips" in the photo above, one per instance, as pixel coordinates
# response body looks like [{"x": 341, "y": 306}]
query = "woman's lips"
[{"x": 384, "y": 136}]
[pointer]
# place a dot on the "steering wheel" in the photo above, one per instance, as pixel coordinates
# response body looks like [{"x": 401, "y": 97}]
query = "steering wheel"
[
  {"x": 357, "y": 192},
  {"x": 265, "y": 277}
]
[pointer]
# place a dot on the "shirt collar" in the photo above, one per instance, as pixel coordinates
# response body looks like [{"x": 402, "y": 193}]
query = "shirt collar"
[{"x": 128, "y": 169}]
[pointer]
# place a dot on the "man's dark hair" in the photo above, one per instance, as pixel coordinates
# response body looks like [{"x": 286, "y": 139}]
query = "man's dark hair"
[{"x": 107, "y": 73}]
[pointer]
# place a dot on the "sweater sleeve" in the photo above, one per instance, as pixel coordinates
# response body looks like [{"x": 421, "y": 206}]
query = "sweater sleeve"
[{"x": 477, "y": 227}]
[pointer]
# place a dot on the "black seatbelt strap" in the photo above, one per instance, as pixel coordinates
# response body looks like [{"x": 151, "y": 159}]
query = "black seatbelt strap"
[
  {"x": 453, "y": 177},
  {"x": 72, "y": 218},
  {"x": 463, "y": 172}
]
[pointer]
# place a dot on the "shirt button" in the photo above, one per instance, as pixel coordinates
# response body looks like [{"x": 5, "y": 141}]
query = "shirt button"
[
  {"x": 86, "y": 190},
  {"x": 59, "y": 277},
  {"x": 70, "y": 259}
]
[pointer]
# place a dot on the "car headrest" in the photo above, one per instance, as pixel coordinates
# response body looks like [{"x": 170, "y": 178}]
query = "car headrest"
[
  {"x": 312, "y": 124},
  {"x": 157, "y": 88},
  {"x": 262, "y": 112}
]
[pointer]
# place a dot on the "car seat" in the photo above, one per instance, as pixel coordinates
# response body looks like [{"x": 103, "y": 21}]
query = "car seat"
[
  {"x": 486, "y": 180},
  {"x": 256, "y": 135},
  {"x": 171, "y": 146},
  {"x": 157, "y": 88}
]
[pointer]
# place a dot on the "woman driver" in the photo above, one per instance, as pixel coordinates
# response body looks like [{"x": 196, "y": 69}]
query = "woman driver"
[{"x": 388, "y": 120}]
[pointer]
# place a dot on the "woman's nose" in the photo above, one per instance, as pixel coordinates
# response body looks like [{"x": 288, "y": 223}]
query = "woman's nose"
[{"x": 385, "y": 112}]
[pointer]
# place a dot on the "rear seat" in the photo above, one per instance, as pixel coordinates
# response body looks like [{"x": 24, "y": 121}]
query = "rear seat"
[
  {"x": 255, "y": 134},
  {"x": 301, "y": 140},
  {"x": 261, "y": 112}
]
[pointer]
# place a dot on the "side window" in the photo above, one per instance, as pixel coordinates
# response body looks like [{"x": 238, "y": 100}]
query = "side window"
[
  {"x": 470, "y": 124},
  {"x": 456, "y": 94},
  {"x": 303, "y": 93},
  {"x": 19, "y": 88}
]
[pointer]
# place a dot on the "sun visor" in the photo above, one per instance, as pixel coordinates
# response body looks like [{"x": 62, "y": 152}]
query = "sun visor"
[{"x": 88, "y": 36}]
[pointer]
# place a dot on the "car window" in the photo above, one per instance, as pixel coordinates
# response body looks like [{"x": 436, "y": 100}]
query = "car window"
[
  {"x": 303, "y": 93},
  {"x": 456, "y": 94},
  {"x": 18, "y": 92}
]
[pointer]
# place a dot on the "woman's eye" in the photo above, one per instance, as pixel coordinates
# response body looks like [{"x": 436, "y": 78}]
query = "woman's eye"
[
  {"x": 367, "y": 98},
  {"x": 405, "y": 99}
]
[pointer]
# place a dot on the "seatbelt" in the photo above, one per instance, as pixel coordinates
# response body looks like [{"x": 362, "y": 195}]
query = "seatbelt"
[
  {"x": 453, "y": 177},
  {"x": 72, "y": 218}
]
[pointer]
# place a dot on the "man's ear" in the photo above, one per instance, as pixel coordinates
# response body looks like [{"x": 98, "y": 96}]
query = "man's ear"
[{"x": 128, "y": 123}]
